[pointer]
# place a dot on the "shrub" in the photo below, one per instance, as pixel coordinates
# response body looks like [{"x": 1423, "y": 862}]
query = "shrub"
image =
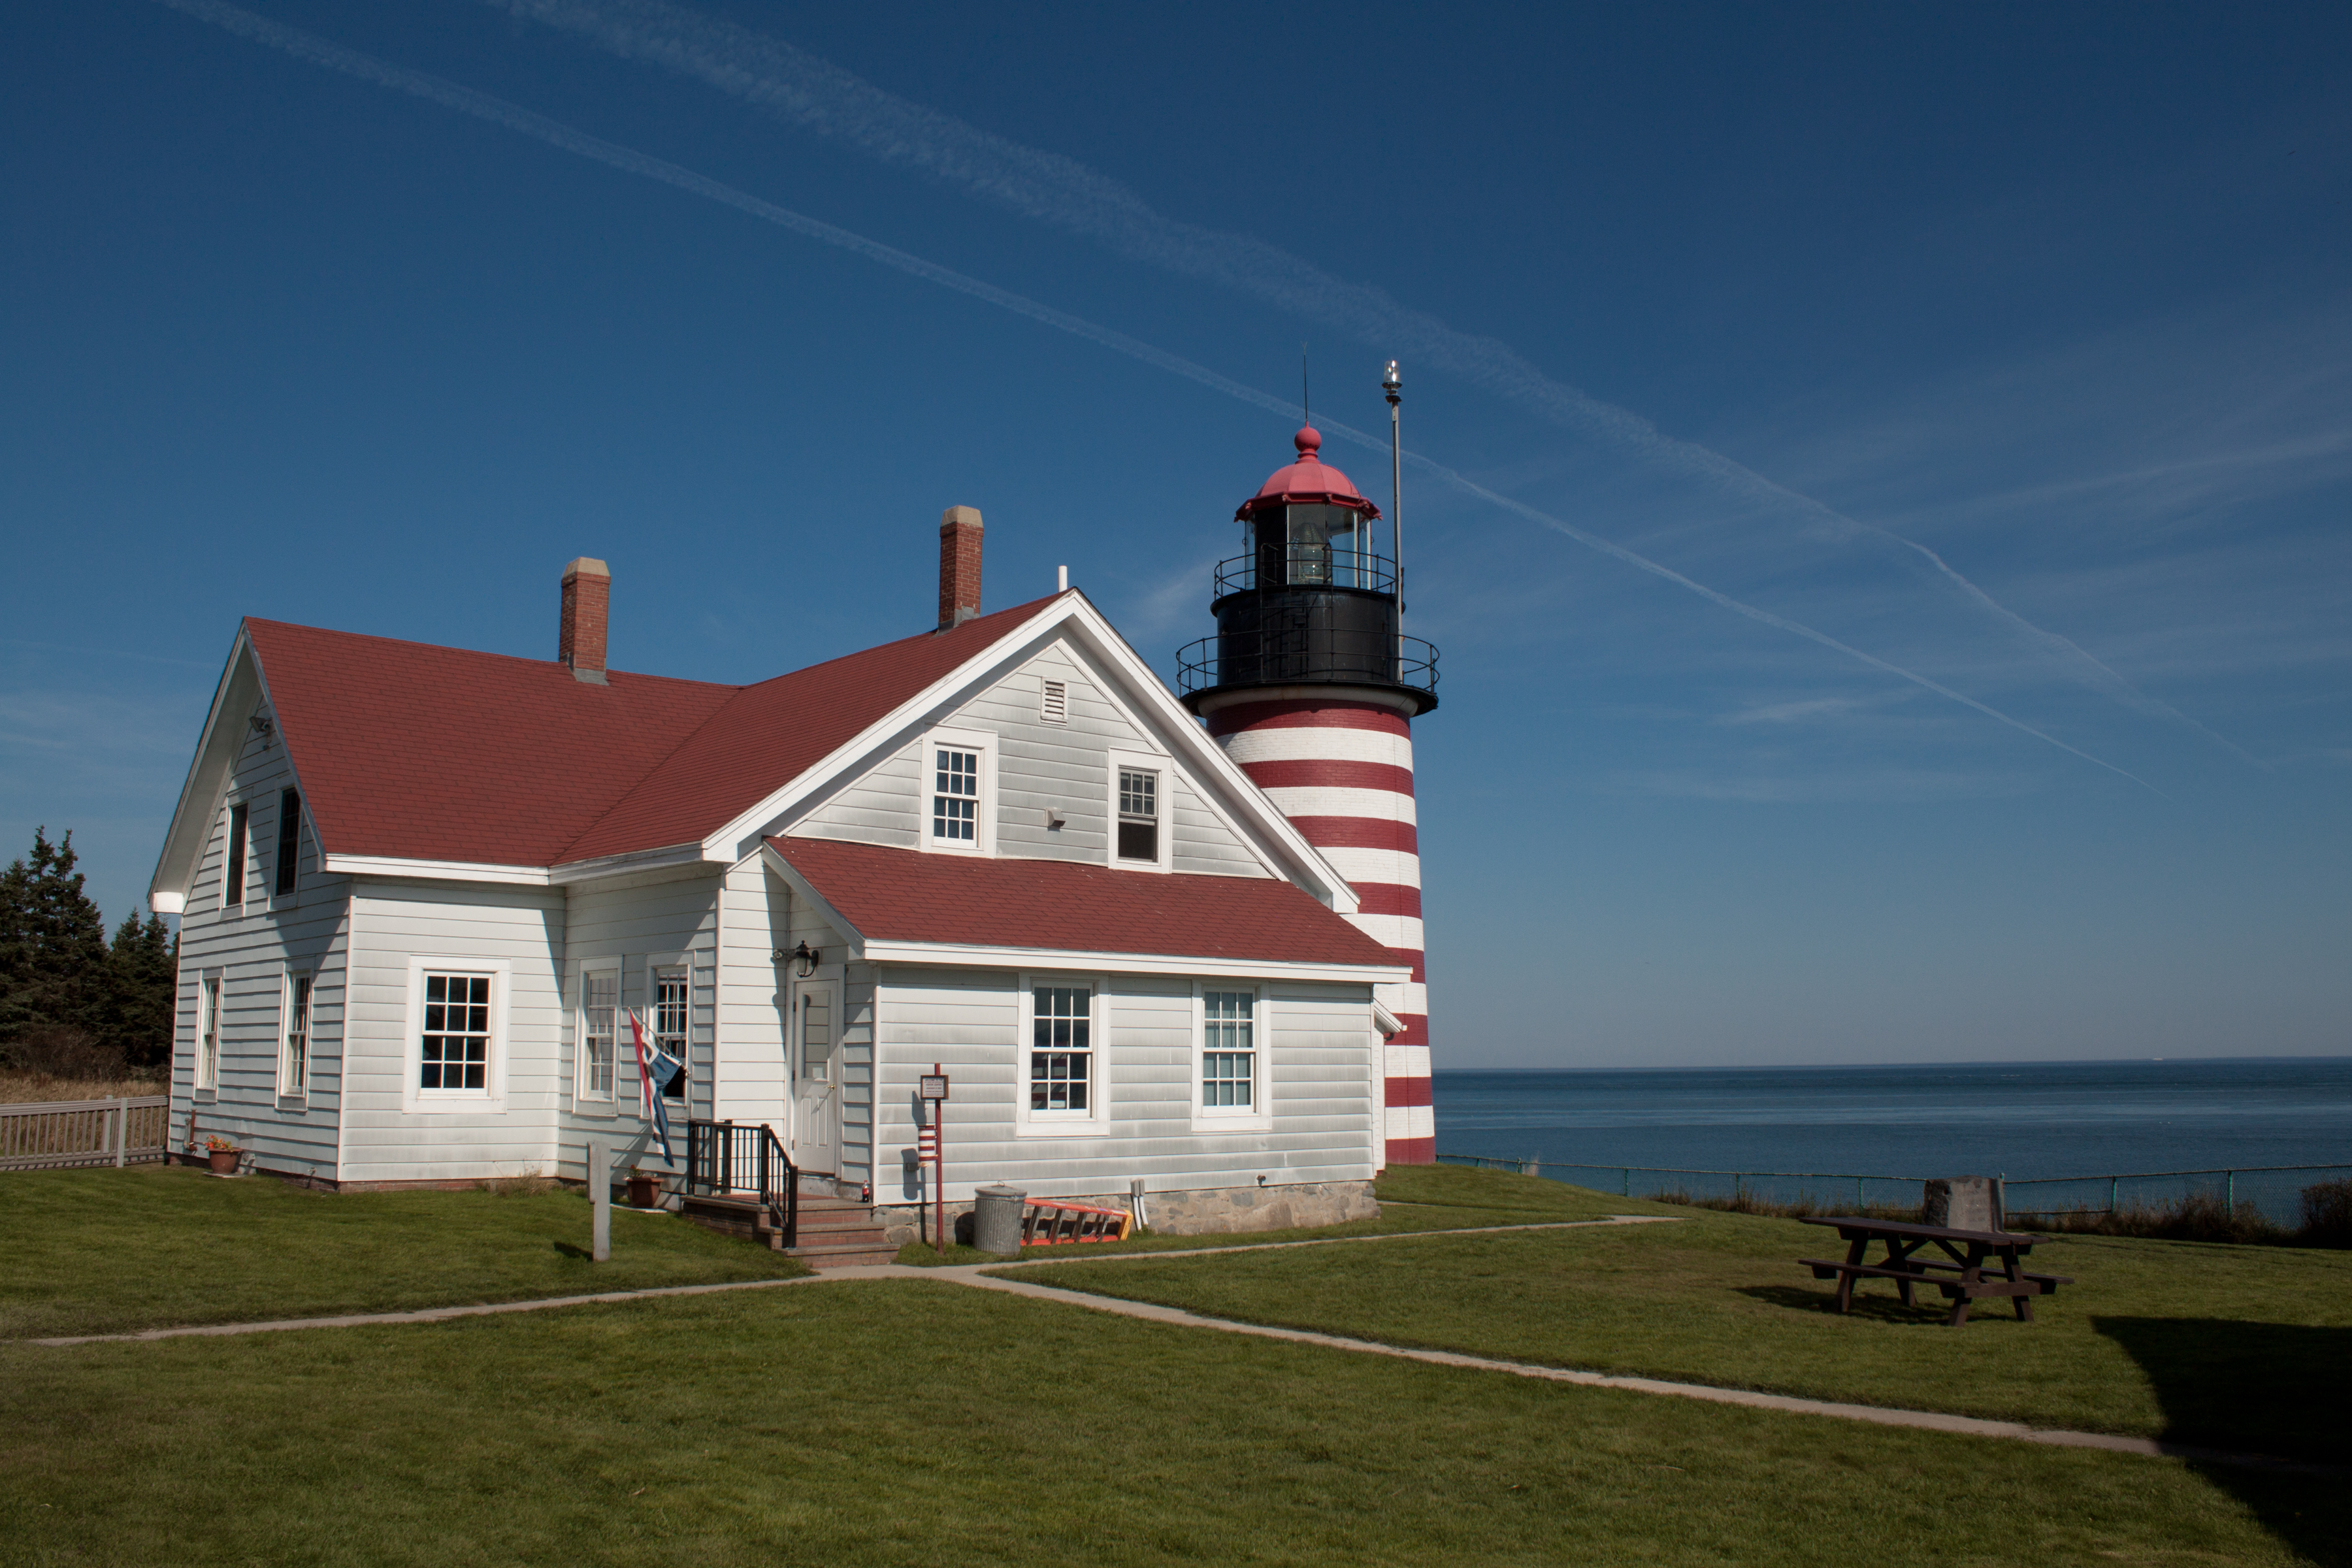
[
  {"x": 61, "y": 1050},
  {"x": 2327, "y": 1214},
  {"x": 2197, "y": 1216}
]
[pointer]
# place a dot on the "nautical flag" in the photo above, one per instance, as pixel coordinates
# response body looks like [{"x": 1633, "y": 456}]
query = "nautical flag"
[{"x": 653, "y": 1060}]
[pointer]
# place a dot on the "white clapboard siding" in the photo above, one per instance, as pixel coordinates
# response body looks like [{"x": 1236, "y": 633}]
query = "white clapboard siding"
[
  {"x": 748, "y": 1079},
  {"x": 638, "y": 920},
  {"x": 252, "y": 948},
  {"x": 760, "y": 919},
  {"x": 883, "y": 805},
  {"x": 1057, "y": 770},
  {"x": 391, "y": 923},
  {"x": 1318, "y": 1074},
  {"x": 856, "y": 1057},
  {"x": 1204, "y": 845}
]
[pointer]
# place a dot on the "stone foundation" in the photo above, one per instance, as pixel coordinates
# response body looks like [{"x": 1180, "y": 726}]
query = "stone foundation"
[{"x": 1203, "y": 1210}]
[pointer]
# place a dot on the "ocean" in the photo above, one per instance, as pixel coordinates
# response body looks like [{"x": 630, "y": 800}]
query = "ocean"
[{"x": 2024, "y": 1120}]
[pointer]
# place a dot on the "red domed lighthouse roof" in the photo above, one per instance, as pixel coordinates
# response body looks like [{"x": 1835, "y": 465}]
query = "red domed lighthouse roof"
[{"x": 1307, "y": 479}]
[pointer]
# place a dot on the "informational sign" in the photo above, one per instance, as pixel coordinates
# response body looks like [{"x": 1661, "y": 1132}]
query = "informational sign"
[{"x": 933, "y": 1086}]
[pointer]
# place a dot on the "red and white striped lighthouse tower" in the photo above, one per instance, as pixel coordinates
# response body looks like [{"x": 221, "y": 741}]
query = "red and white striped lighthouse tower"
[{"x": 1309, "y": 687}]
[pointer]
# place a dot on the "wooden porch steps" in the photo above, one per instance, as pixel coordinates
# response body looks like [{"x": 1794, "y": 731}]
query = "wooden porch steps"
[{"x": 835, "y": 1233}]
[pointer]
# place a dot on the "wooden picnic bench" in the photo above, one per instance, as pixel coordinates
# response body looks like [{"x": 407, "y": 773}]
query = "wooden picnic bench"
[{"x": 1976, "y": 1263}]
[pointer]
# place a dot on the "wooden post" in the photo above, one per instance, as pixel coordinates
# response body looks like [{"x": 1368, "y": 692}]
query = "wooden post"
[
  {"x": 599, "y": 1192},
  {"x": 940, "y": 1169},
  {"x": 121, "y": 1133}
]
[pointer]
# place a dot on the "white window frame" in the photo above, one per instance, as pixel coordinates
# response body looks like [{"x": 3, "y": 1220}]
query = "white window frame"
[
  {"x": 293, "y": 1070},
  {"x": 655, "y": 966},
  {"x": 582, "y": 1096},
  {"x": 204, "y": 1069},
  {"x": 492, "y": 1096},
  {"x": 1095, "y": 1121},
  {"x": 1259, "y": 1115},
  {"x": 927, "y": 777},
  {"x": 1140, "y": 762}
]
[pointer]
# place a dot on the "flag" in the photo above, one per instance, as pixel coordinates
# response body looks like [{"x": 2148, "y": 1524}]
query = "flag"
[{"x": 651, "y": 1061}]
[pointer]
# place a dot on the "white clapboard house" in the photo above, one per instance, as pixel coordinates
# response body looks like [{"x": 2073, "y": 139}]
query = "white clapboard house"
[{"x": 423, "y": 893}]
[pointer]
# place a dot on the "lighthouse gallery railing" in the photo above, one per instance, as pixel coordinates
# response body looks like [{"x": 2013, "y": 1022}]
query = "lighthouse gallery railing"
[{"x": 1305, "y": 657}]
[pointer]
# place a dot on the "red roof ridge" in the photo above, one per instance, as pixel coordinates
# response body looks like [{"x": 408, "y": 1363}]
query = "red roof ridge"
[{"x": 474, "y": 652}]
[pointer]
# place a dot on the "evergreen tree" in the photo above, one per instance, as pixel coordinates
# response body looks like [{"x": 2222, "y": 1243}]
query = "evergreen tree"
[
  {"x": 53, "y": 954},
  {"x": 142, "y": 991}
]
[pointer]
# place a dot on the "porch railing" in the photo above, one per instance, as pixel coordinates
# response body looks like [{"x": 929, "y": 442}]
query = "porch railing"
[
  {"x": 50, "y": 1134},
  {"x": 739, "y": 1160}
]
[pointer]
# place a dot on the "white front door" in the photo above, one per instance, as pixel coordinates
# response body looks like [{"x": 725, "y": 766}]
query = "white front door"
[{"x": 816, "y": 1075}]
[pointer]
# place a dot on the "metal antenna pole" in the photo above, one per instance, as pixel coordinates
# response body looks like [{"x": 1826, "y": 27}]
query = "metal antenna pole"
[{"x": 1393, "y": 385}]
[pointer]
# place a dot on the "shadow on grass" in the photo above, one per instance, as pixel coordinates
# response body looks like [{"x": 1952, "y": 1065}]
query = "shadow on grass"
[
  {"x": 570, "y": 1249},
  {"x": 2281, "y": 1389},
  {"x": 1879, "y": 1306}
]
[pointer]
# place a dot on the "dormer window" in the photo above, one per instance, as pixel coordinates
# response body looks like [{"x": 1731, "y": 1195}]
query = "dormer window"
[{"x": 1138, "y": 815}]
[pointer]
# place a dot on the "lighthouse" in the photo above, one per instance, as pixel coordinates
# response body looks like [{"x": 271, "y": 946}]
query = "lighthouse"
[{"x": 1311, "y": 686}]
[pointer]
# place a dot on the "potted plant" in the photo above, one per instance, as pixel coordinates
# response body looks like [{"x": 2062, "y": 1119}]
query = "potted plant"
[
  {"x": 644, "y": 1190},
  {"x": 223, "y": 1155}
]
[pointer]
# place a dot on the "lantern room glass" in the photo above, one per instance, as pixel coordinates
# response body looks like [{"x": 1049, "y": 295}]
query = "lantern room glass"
[{"x": 1311, "y": 545}]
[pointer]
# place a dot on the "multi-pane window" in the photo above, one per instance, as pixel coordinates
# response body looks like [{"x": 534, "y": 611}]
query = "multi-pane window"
[
  {"x": 294, "y": 1072},
  {"x": 1138, "y": 815},
  {"x": 1061, "y": 1050},
  {"x": 1229, "y": 1051},
  {"x": 456, "y": 1041},
  {"x": 233, "y": 875},
  {"x": 209, "y": 1003},
  {"x": 600, "y": 997},
  {"x": 669, "y": 1026},
  {"x": 1056, "y": 708},
  {"x": 955, "y": 796},
  {"x": 289, "y": 840}
]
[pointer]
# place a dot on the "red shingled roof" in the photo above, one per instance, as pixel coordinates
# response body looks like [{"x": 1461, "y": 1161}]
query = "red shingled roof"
[
  {"x": 906, "y": 895},
  {"x": 415, "y": 752}
]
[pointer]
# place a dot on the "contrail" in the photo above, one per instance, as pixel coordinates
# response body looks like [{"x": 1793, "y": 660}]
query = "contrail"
[
  {"x": 311, "y": 48},
  {"x": 816, "y": 94}
]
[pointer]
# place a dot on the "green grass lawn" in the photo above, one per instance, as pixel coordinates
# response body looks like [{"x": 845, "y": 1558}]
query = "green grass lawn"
[
  {"x": 102, "y": 1251},
  {"x": 2239, "y": 1347},
  {"x": 905, "y": 1422}
]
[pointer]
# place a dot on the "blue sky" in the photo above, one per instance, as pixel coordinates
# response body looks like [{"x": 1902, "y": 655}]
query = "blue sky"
[{"x": 1883, "y": 469}]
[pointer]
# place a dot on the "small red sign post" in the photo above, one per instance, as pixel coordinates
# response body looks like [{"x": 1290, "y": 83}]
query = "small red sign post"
[{"x": 933, "y": 1092}]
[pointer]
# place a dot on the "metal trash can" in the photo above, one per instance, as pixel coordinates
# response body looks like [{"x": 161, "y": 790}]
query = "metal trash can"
[{"x": 996, "y": 1220}]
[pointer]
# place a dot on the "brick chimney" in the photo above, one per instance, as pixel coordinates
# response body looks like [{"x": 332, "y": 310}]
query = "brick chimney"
[
  {"x": 587, "y": 610},
  {"x": 959, "y": 566}
]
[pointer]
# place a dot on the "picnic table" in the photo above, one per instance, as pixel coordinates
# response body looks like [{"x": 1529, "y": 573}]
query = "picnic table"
[{"x": 1974, "y": 1263}]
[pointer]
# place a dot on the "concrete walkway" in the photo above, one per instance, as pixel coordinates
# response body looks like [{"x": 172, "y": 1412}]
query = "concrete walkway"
[{"x": 998, "y": 1276}]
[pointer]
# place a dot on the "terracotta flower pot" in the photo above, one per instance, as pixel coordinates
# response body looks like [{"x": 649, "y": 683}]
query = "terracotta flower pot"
[
  {"x": 644, "y": 1192},
  {"x": 224, "y": 1161}
]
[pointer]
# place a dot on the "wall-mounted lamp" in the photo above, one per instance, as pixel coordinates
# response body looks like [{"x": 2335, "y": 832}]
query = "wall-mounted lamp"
[
  {"x": 804, "y": 956},
  {"x": 264, "y": 726}
]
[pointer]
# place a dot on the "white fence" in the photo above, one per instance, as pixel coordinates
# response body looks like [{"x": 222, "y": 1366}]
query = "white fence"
[{"x": 84, "y": 1132}]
